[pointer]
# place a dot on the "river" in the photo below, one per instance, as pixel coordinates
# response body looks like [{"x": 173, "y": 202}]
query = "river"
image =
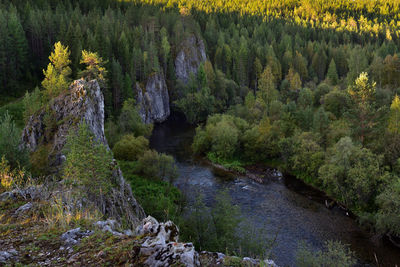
[{"x": 283, "y": 206}]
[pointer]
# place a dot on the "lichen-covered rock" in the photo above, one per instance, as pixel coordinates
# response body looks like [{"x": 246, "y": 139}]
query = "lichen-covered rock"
[
  {"x": 84, "y": 101},
  {"x": 8, "y": 255},
  {"x": 73, "y": 237},
  {"x": 24, "y": 208},
  {"x": 161, "y": 247},
  {"x": 154, "y": 100},
  {"x": 191, "y": 54}
]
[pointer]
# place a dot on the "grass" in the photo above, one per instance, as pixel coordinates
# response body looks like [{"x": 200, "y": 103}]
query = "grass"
[
  {"x": 232, "y": 165},
  {"x": 158, "y": 198}
]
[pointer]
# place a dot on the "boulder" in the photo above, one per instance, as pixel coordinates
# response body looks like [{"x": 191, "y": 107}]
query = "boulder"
[
  {"x": 161, "y": 247},
  {"x": 153, "y": 102},
  {"x": 73, "y": 237},
  {"x": 189, "y": 57}
]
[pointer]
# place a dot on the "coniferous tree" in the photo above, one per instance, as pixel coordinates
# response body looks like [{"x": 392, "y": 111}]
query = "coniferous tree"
[
  {"x": 58, "y": 71},
  {"x": 362, "y": 93},
  {"x": 394, "y": 116},
  {"x": 332, "y": 73}
]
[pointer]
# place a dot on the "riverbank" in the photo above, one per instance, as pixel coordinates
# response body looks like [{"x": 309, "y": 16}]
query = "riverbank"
[{"x": 284, "y": 207}]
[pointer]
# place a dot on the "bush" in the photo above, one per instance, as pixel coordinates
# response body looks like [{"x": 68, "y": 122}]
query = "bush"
[
  {"x": 158, "y": 198},
  {"x": 131, "y": 122},
  {"x": 220, "y": 136},
  {"x": 351, "y": 174},
  {"x": 130, "y": 147},
  {"x": 10, "y": 137},
  {"x": 388, "y": 216},
  {"x": 156, "y": 165},
  {"x": 333, "y": 254},
  {"x": 9, "y": 177}
]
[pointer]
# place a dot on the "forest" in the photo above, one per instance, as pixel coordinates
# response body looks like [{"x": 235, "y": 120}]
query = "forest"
[{"x": 310, "y": 87}]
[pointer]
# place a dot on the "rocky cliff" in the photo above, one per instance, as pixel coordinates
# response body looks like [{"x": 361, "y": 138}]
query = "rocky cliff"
[
  {"x": 50, "y": 127},
  {"x": 153, "y": 100},
  {"x": 189, "y": 57},
  {"x": 39, "y": 228}
]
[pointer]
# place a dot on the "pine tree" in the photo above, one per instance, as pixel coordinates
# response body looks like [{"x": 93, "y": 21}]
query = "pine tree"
[
  {"x": 294, "y": 79},
  {"x": 58, "y": 71},
  {"x": 165, "y": 48},
  {"x": 94, "y": 66},
  {"x": 362, "y": 114},
  {"x": 267, "y": 88},
  {"x": 16, "y": 48},
  {"x": 394, "y": 116},
  {"x": 319, "y": 63},
  {"x": 332, "y": 73},
  {"x": 257, "y": 71}
]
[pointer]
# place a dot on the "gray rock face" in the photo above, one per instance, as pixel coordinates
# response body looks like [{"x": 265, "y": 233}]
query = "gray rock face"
[
  {"x": 154, "y": 100},
  {"x": 161, "y": 247},
  {"x": 84, "y": 101},
  {"x": 191, "y": 54},
  {"x": 73, "y": 237}
]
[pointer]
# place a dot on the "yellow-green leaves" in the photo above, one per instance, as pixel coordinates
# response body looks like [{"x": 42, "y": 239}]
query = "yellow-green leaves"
[
  {"x": 94, "y": 66},
  {"x": 58, "y": 71},
  {"x": 394, "y": 116}
]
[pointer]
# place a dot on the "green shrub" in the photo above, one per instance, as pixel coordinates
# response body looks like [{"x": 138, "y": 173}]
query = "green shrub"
[
  {"x": 130, "y": 121},
  {"x": 388, "y": 216},
  {"x": 32, "y": 103},
  {"x": 130, "y": 147},
  {"x": 334, "y": 254},
  {"x": 10, "y": 137},
  {"x": 157, "y": 166},
  {"x": 158, "y": 198}
]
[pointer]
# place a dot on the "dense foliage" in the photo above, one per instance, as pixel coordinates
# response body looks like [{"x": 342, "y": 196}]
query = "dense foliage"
[
  {"x": 88, "y": 162},
  {"x": 312, "y": 84}
]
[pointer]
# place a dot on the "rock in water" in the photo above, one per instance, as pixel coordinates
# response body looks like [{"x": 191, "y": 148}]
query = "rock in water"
[
  {"x": 154, "y": 101},
  {"x": 83, "y": 101},
  {"x": 191, "y": 54}
]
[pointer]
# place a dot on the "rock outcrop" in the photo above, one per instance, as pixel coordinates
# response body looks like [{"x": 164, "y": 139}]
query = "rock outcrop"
[
  {"x": 84, "y": 101},
  {"x": 153, "y": 101},
  {"x": 161, "y": 247},
  {"x": 191, "y": 54}
]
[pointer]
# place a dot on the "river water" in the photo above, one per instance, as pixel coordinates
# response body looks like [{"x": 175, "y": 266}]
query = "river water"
[{"x": 283, "y": 207}]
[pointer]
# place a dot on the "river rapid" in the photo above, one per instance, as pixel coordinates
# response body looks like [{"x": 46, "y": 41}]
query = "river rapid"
[{"x": 283, "y": 206}]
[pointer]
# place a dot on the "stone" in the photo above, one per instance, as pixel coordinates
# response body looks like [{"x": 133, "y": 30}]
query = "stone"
[
  {"x": 161, "y": 247},
  {"x": 109, "y": 226},
  {"x": 24, "y": 208},
  {"x": 8, "y": 255},
  {"x": 153, "y": 102},
  {"x": 191, "y": 54},
  {"x": 73, "y": 237}
]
